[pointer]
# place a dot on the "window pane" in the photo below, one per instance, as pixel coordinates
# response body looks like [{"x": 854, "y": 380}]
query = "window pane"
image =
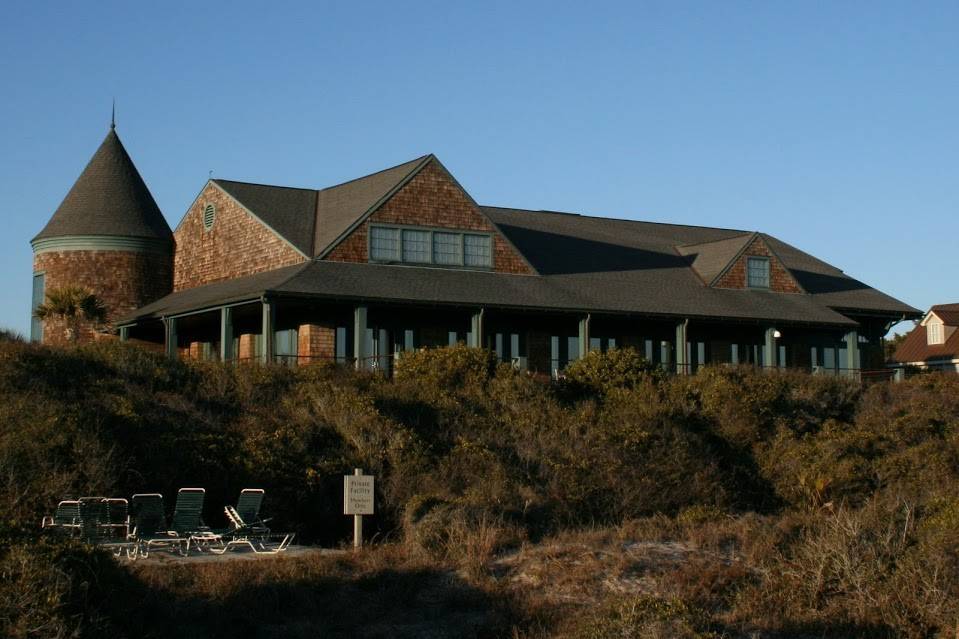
[
  {"x": 477, "y": 250},
  {"x": 757, "y": 272},
  {"x": 36, "y": 326},
  {"x": 447, "y": 248},
  {"x": 416, "y": 246},
  {"x": 384, "y": 244}
]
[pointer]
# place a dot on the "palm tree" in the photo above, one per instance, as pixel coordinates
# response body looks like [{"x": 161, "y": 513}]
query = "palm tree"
[{"x": 74, "y": 305}]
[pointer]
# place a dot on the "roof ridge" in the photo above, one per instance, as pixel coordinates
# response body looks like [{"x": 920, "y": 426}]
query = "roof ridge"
[
  {"x": 368, "y": 175},
  {"x": 272, "y": 186},
  {"x": 746, "y": 234},
  {"x": 617, "y": 219}
]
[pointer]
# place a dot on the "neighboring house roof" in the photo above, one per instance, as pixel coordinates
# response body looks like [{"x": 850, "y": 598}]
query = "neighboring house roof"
[
  {"x": 948, "y": 313},
  {"x": 109, "y": 198},
  {"x": 312, "y": 220},
  {"x": 915, "y": 348}
]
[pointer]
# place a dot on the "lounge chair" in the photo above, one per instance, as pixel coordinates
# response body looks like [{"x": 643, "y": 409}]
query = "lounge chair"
[
  {"x": 93, "y": 513},
  {"x": 149, "y": 526},
  {"x": 66, "y": 519},
  {"x": 259, "y": 540},
  {"x": 188, "y": 518},
  {"x": 117, "y": 524},
  {"x": 248, "y": 508},
  {"x": 247, "y": 529}
]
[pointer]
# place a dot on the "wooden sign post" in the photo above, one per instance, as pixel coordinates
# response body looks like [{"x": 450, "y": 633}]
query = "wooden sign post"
[{"x": 358, "y": 501}]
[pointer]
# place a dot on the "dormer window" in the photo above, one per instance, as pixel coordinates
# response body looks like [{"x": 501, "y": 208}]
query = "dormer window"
[
  {"x": 439, "y": 247},
  {"x": 934, "y": 333},
  {"x": 757, "y": 272}
]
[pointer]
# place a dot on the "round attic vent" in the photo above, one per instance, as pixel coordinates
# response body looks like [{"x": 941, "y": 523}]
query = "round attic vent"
[{"x": 209, "y": 215}]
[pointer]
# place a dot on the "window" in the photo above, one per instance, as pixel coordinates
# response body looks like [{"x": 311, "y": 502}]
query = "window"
[
  {"x": 285, "y": 346},
  {"x": 416, "y": 246},
  {"x": 428, "y": 246},
  {"x": 448, "y": 249},
  {"x": 36, "y": 326},
  {"x": 209, "y": 216},
  {"x": 934, "y": 333},
  {"x": 384, "y": 244},
  {"x": 476, "y": 249},
  {"x": 757, "y": 272}
]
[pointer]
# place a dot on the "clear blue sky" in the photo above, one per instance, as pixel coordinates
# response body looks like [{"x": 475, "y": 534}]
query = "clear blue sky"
[{"x": 830, "y": 125}]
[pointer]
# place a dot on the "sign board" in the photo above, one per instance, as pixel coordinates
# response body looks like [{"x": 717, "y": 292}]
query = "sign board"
[{"x": 358, "y": 494}]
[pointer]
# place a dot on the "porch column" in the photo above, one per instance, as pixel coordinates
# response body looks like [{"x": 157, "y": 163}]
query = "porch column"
[
  {"x": 682, "y": 351},
  {"x": 268, "y": 328},
  {"x": 476, "y": 329},
  {"x": 359, "y": 337},
  {"x": 124, "y": 333},
  {"x": 852, "y": 353},
  {"x": 769, "y": 349},
  {"x": 170, "y": 326},
  {"x": 584, "y": 336},
  {"x": 226, "y": 334}
]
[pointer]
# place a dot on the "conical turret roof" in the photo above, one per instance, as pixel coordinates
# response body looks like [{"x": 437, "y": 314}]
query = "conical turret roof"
[{"x": 109, "y": 198}]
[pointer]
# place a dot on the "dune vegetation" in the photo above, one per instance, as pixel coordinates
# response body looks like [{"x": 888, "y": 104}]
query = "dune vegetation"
[{"x": 617, "y": 502}]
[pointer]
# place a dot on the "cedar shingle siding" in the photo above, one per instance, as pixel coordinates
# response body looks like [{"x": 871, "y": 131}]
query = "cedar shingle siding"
[
  {"x": 310, "y": 246},
  {"x": 236, "y": 246},
  {"x": 431, "y": 199}
]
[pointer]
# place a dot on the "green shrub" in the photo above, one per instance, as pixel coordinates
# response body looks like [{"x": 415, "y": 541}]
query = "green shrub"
[
  {"x": 450, "y": 369},
  {"x": 598, "y": 373}
]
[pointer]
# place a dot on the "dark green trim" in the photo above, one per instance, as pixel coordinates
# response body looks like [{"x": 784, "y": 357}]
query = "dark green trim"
[{"x": 101, "y": 243}]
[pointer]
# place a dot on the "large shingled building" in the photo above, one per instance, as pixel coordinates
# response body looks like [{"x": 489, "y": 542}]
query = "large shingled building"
[{"x": 405, "y": 258}]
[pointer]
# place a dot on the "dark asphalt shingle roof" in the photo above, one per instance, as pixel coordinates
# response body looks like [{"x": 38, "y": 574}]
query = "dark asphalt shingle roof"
[
  {"x": 645, "y": 256},
  {"x": 584, "y": 264},
  {"x": 709, "y": 259},
  {"x": 340, "y": 206},
  {"x": 312, "y": 219},
  {"x": 109, "y": 198},
  {"x": 580, "y": 292},
  {"x": 291, "y": 212}
]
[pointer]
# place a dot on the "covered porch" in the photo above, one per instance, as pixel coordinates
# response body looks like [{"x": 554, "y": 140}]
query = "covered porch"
[{"x": 373, "y": 335}]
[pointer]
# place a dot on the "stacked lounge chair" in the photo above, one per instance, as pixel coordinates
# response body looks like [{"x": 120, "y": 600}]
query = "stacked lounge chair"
[{"x": 140, "y": 526}]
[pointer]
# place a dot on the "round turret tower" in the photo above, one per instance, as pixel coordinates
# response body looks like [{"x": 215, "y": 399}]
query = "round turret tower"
[{"x": 107, "y": 236}]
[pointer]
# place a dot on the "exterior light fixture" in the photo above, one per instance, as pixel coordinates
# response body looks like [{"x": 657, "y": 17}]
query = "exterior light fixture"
[{"x": 777, "y": 334}]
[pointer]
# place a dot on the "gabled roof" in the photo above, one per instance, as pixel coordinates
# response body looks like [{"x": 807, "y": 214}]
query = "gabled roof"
[
  {"x": 339, "y": 208},
  {"x": 109, "y": 198},
  {"x": 643, "y": 259},
  {"x": 312, "y": 220},
  {"x": 948, "y": 313},
  {"x": 711, "y": 259},
  {"x": 290, "y": 212},
  {"x": 916, "y": 348},
  {"x": 588, "y": 263}
]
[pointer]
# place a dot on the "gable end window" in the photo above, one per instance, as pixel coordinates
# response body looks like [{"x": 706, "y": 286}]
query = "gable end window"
[
  {"x": 430, "y": 247},
  {"x": 757, "y": 272},
  {"x": 934, "y": 333}
]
